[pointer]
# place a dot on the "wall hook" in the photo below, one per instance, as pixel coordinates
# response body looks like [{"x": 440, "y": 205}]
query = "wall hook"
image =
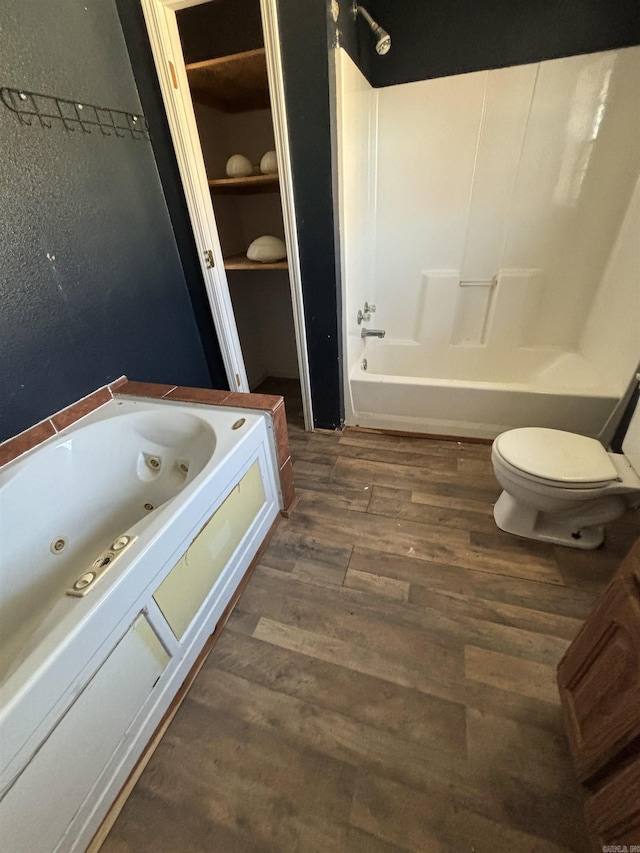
[{"x": 73, "y": 114}]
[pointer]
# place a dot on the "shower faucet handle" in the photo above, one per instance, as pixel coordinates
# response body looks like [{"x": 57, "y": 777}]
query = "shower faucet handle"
[
  {"x": 366, "y": 316},
  {"x": 369, "y": 309}
]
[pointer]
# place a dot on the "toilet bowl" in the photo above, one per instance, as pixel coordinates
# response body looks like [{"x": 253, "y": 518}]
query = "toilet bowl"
[{"x": 562, "y": 487}]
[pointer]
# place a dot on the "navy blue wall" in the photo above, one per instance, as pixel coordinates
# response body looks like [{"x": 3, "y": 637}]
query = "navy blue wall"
[
  {"x": 144, "y": 71},
  {"x": 91, "y": 283},
  {"x": 303, "y": 35},
  {"x": 442, "y": 37}
]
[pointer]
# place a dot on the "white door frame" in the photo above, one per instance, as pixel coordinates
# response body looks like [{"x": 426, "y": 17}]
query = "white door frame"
[{"x": 162, "y": 27}]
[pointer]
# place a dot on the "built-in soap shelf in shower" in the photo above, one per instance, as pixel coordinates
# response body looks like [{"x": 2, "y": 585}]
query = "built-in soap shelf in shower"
[
  {"x": 473, "y": 308},
  {"x": 466, "y": 312}
]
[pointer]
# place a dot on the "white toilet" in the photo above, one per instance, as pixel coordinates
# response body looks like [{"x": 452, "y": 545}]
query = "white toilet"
[{"x": 561, "y": 487}]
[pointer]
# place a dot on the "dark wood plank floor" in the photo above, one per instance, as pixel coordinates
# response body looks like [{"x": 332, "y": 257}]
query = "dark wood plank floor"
[{"x": 387, "y": 680}]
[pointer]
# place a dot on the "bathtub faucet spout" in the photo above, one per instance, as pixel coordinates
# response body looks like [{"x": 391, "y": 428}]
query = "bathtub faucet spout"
[{"x": 373, "y": 333}]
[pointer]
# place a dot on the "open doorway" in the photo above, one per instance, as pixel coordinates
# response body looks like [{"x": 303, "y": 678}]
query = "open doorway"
[{"x": 218, "y": 65}]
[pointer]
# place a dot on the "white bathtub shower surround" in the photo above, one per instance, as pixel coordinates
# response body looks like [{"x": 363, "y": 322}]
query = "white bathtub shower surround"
[
  {"x": 356, "y": 128},
  {"x": 523, "y": 168},
  {"x": 471, "y": 392},
  {"x": 495, "y": 204},
  {"x": 611, "y": 336},
  {"x": 85, "y": 681}
]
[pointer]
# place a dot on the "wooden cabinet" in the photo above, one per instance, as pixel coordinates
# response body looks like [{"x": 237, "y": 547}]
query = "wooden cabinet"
[
  {"x": 599, "y": 684},
  {"x": 599, "y": 680},
  {"x": 613, "y": 812}
]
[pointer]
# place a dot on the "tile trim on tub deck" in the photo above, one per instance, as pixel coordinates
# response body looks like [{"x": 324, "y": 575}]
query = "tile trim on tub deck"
[
  {"x": 35, "y": 435},
  {"x": 274, "y": 405}
]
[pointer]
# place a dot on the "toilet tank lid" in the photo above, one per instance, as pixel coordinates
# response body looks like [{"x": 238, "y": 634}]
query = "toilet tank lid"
[{"x": 553, "y": 454}]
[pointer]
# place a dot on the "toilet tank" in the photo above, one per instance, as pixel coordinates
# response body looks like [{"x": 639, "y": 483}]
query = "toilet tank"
[{"x": 631, "y": 443}]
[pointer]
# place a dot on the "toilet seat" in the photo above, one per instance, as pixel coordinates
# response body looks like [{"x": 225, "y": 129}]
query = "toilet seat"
[
  {"x": 556, "y": 457},
  {"x": 563, "y": 488}
]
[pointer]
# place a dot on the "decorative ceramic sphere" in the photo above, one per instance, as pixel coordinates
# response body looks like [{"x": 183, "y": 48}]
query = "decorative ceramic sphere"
[
  {"x": 238, "y": 166},
  {"x": 267, "y": 250},
  {"x": 269, "y": 164}
]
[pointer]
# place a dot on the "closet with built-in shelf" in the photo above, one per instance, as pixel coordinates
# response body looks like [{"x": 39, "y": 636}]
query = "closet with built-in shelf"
[{"x": 225, "y": 60}]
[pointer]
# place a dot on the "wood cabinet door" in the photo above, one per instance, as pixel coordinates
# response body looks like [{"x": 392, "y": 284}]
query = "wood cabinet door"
[
  {"x": 613, "y": 813},
  {"x": 599, "y": 678}
]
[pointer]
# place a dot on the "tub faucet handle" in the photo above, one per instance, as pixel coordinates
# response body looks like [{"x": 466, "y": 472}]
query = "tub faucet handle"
[
  {"x": 366, "y": 316},
  {"x": 369, "y": 309}
]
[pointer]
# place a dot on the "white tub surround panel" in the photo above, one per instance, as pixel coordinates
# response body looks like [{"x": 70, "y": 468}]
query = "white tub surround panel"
[
  {"x": 436, "y": 308},
  {"x": 517, "y": 307},
  {"x": 427, "y": 145},
  {"x": 611, "y": 336},
  {"x": 512, "y": 170},
  {"x": 356, "y": 138},
  {"x": 580, "y": 161},
  {"x": 507, "y": 102}
]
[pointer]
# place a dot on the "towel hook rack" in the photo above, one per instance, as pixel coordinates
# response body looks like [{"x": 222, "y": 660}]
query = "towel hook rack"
[{"x": 31, "y": 107}]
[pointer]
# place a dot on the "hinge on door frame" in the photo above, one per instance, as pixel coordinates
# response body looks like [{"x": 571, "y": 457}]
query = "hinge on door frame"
[
  {"x": 172, "y": 72},
  {"x": 208, "y": 257}
]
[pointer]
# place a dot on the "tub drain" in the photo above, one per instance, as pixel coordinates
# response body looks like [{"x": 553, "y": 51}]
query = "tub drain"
[
  {"x": 149, "y": 507},
  {"x": 58, "y": 545}
]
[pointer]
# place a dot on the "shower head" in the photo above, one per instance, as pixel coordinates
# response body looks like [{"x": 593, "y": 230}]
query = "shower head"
[{"x": 383, "y": 39}]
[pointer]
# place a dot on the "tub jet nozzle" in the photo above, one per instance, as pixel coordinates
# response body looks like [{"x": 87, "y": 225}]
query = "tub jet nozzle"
[{"x": 58, "y": 545}]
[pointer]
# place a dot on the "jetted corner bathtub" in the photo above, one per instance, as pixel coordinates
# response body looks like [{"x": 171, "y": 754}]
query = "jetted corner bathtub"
[
  {"x": 470, "y": 391},
  {"x": 84, "y": 681}
]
